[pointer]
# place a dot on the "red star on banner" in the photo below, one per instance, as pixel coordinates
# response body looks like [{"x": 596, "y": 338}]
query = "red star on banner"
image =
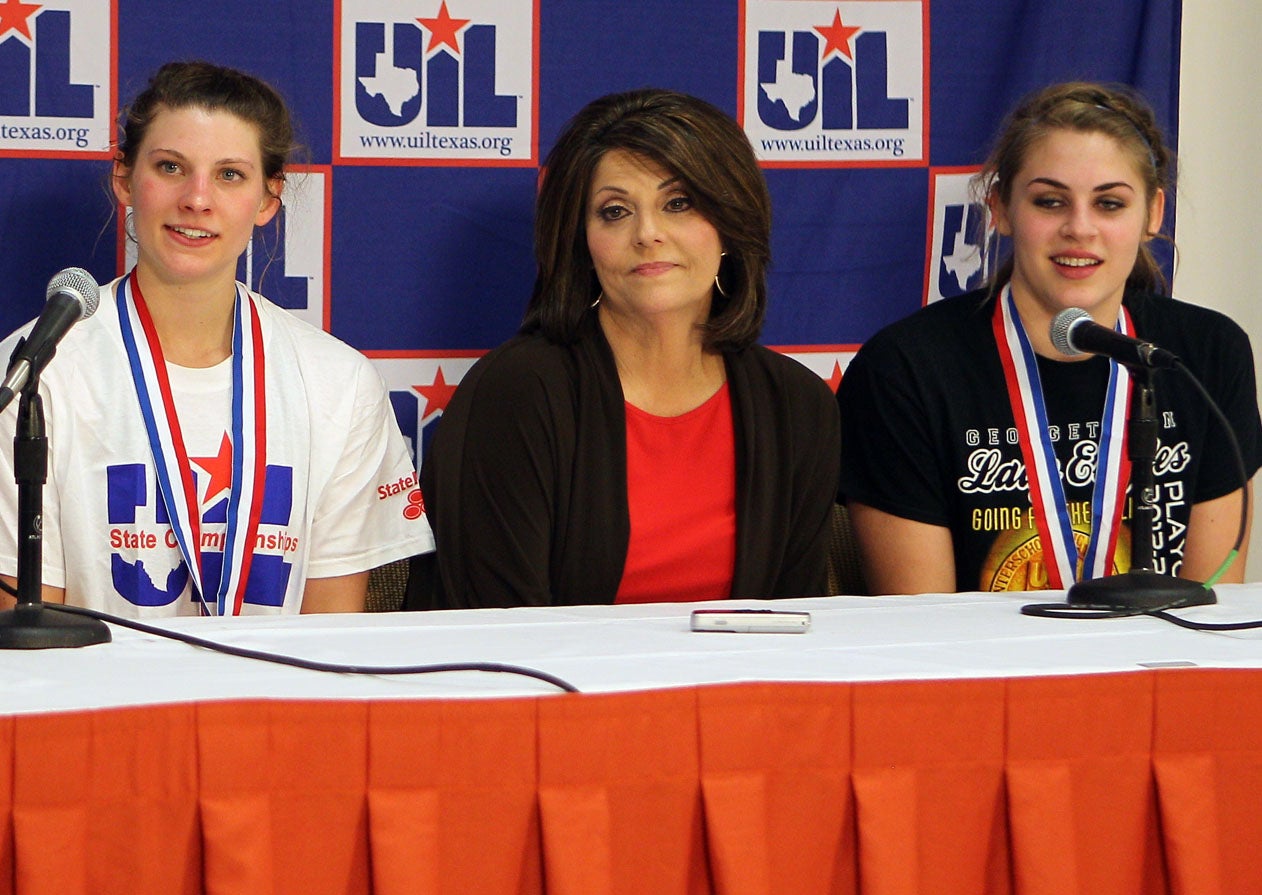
[
  {"x": 837, "y": 36},
  {"x": 15, "y": 16},
  {"x": 835, "y": 380},
  {"x": 436, "y": 395},
  {"x": 219, "y": 467},
  {"x": 443, "y": 29}
]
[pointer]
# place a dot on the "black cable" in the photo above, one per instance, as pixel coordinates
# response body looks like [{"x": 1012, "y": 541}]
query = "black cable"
[
  {"x": 1164, "y": 615},
  {"x": 311, "y": 664},
  {"x": 1071, "y": 610},
  {"x": 1068, "y": 610},
  {"x": 1236, "y": 455}
]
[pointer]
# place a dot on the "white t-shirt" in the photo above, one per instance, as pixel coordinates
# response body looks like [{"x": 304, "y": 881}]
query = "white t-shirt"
[{"x": 341, "y": 493}]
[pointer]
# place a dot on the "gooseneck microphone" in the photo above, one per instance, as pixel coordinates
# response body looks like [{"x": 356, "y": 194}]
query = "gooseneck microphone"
[
  {"x": 1073, "y": 332},
  {"x": 72, "y": 296}
]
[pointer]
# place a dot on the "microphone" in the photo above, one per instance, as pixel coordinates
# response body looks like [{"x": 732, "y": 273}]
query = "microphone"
[
  {"x": 72, "y": 296},
  {"x": 1074, "y": 332}
]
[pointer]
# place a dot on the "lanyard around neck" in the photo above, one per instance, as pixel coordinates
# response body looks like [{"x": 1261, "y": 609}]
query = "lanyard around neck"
[
  {"x": 1047, "y": 491},
  {"x": 176, "y": 485}
]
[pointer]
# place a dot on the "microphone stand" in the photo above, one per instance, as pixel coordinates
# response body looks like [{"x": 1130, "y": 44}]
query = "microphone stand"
[
  {"x": 31, "y": 625},
  {"x": 1142, "y": 588}
]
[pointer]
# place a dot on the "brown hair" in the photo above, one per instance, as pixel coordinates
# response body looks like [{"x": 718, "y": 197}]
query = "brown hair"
[
  {"x": 179, "y": 85},
  {"x": 690, "y": 139},
  {"x": 1114, "y": 110}
]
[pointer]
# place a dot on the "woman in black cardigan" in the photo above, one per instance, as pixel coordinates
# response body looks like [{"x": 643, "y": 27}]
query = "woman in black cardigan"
[{"x": 633, "y": 444}]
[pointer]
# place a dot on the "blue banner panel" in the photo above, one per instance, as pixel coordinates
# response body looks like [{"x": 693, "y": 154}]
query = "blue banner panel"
[{"x": 406, "y": 229}]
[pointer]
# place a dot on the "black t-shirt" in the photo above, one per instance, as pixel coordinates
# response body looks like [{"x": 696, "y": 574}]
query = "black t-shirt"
[{"x": 928, "y": 433}]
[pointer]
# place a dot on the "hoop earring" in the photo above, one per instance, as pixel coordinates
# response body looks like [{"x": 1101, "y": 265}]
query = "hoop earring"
[
  {"x": 717, "y": 284},
  {"x": 596, "y": 303}
]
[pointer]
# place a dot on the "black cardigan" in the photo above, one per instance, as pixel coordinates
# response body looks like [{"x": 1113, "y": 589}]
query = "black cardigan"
[{"x": 525, "y": 481}]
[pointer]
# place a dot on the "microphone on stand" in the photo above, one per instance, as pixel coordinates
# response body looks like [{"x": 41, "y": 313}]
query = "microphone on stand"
[
  {"x": 1141, "y": 589},
  {"x": 72, "y": 296}
]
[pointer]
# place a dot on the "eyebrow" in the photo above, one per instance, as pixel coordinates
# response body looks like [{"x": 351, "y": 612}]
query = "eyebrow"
[
  {"x": 614, "y": 188},
  {"x": 238, "y": 162},
  {"x": 1056, "y": 184}
]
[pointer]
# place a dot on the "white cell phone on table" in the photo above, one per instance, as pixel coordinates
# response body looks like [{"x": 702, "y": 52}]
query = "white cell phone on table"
[{"x": 751, "y": 621}]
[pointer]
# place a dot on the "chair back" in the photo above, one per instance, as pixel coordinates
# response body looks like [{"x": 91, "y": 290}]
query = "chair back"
[
  {"x": 386, "y": 585},
  {"x": 845, "y": 564}
]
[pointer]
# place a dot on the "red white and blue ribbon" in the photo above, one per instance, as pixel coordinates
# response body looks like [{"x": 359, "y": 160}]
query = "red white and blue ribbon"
[
  {"x": 176, "y": 484},
  {"x": 1047, "y": 491}
]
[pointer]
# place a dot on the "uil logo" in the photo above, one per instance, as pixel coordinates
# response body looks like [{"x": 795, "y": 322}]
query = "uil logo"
[
  {"x": 437, "y": 81},
  {"x": 420, "y": 383},
  {"x": 963, "y": 246},
  {"x": 831, "y": 84},
  {"x": 55, "y": 103},
  {"x": 145, "y": 566},
  {"x": 288, "y": 260}
]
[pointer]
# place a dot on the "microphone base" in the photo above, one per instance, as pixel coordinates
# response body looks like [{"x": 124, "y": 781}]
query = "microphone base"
[
  {"x": 33, "y": 626},
  {"x": 1140, "y": 590}
]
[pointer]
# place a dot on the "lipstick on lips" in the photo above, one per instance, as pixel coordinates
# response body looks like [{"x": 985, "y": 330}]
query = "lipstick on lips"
[{"x": 651, "y": 268}]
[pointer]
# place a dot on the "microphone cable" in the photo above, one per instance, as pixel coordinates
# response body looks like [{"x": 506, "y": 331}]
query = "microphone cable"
[
  {"x": 310, "y": 664},
  {"x": 1240, "y": 472},
  {"x": 1164, "y": 615}
]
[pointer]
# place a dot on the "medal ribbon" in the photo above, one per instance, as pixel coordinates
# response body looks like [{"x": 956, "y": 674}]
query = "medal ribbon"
[
  {"x": 1047, "y": 491},
  {"x": 176, "y": 484}
]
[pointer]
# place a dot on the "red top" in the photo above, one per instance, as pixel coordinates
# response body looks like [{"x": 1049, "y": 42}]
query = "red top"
[{"x": 681, "y": 490}]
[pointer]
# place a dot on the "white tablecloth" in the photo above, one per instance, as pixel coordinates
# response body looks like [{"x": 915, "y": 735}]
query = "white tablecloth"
[{"x": 612, "y": 648}]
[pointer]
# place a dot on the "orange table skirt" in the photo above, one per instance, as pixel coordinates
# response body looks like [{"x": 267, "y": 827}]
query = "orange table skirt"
[{"x": 1147, "y": 782}]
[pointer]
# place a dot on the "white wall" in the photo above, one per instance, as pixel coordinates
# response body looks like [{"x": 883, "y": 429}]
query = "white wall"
[{"x": 1219, "y": 192}]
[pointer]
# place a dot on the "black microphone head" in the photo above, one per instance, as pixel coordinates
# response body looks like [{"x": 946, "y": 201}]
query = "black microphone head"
[
  {"x": 79, "y": 284},
  {"x": 1062, "y": 325}
]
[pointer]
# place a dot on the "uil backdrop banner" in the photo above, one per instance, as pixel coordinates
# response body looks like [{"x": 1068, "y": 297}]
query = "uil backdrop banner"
[{"x": 406, "y": 230}]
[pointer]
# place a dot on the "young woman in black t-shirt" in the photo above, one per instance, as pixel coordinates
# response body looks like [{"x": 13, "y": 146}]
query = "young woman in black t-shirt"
[{"x": 984, "y": 459}]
